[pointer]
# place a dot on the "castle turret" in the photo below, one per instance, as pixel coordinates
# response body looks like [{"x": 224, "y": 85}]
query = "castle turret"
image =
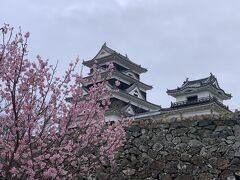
[
  {"x": 131, "y": 98},
  {"x": 202, "y": 96}
]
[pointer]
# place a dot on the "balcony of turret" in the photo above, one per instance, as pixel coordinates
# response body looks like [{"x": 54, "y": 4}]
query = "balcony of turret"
[{"x": 194, "y": 100}]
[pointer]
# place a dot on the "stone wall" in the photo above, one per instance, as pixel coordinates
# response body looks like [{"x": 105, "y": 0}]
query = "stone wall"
[{"x": 205, "y": 147}]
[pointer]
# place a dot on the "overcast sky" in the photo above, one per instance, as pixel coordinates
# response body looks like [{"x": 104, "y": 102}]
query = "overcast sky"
[{"x": 173, "y": 39}]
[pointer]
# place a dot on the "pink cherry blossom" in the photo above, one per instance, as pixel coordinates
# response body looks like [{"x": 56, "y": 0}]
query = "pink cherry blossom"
[
  {"x": 13, "y": 171},
  {"x": 27, "y": 34},
  {"x": 117, "y": 83},
  {"x": 50, "y": 173},
  {"x": 49, "y": 127}
]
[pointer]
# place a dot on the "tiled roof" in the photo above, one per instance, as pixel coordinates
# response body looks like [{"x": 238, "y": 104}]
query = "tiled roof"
[
  {"x": 112, "y": 53},
  {"x": 211, "y": 80},
  {"x": 199, "y": 82}
]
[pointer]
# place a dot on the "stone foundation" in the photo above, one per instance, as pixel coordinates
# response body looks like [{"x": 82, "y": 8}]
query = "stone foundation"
[{"x": 204, "y": 148}]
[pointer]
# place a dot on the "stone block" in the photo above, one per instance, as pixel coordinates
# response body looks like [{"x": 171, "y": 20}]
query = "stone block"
[
  {"x": 195, "y": 143},
  {"x": 184, "y": 177},
  {"x": 171, "y": 167},
  {"x": 129, "y": 172}
]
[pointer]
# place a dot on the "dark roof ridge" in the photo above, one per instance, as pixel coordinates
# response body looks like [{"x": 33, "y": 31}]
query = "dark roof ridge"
[
  {"x": 210, "y": 78},
  {"x": 109, "y": 50},
  {"x": 183, "y": 88},
  {"x": 113, "y": 53}
]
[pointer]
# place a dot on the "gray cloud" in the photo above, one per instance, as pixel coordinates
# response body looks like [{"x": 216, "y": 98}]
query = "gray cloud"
[{"x": 173, "y": 39}]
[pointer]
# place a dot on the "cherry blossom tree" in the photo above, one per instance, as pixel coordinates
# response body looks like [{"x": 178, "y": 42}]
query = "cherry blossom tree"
[{"x": 43, "y": 136}]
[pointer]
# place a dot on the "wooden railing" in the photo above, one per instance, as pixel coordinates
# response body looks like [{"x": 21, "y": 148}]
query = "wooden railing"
[{"x": 197, "y": 101}]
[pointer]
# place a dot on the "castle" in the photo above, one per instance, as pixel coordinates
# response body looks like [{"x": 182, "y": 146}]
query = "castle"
[{"x": 196, "y": 97}]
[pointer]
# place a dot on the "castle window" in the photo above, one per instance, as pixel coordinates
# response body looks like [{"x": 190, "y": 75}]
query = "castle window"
[
  {"x": 192, "y": 98},
  {"x": 135, "y": 93}
]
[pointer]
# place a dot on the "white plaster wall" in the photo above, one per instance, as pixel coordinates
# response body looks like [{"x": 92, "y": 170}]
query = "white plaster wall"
[
  {"x": 181, "y": 98},
  {"x": 199, "y": 94},
  {"x": 109, "y": 118},
  {"x": 204, "y": 94}
]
